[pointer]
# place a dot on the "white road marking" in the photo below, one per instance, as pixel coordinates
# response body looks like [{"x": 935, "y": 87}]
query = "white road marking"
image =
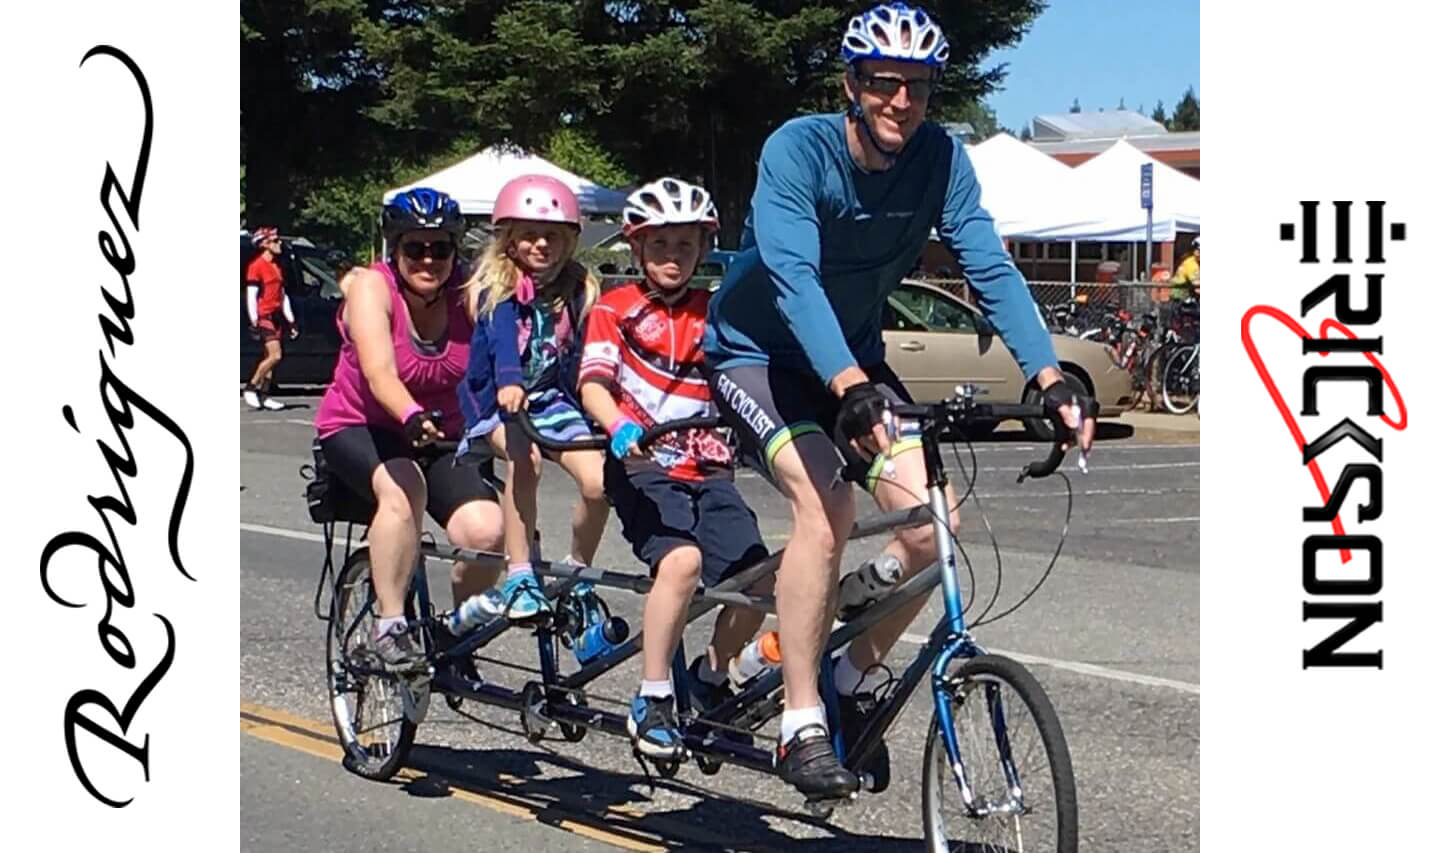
[
  {"x": 1082, "y": 668},
  {"x": 1069, "y": 666},
  {"x": 282, "y": 532},
  {"x": 1182, "y": 519}
]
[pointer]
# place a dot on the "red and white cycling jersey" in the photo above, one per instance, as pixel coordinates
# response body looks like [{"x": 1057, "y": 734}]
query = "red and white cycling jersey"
[{"x": 649, "y": 353}]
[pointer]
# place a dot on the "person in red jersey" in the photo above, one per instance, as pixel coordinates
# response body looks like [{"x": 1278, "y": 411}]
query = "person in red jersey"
[
  {"x": 676, "y": 500},
  {"x": 270, "y": 316}
]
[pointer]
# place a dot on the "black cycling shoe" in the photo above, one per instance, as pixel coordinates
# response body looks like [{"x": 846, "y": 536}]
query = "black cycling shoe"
[
  {"x": 807, "y": 762},
  {"x": 705, "y": 697},
  {"x": 855, "y": 712}
]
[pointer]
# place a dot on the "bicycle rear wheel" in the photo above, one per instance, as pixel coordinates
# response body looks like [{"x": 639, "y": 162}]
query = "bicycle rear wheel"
[
  {"x": 1181, "y": 389},
  {"x": 1016, "y": 764},
  {"x": 376, "y": 715}
]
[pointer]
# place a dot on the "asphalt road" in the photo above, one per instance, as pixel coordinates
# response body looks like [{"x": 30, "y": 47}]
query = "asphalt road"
[{"x": 1113, "y": 635}]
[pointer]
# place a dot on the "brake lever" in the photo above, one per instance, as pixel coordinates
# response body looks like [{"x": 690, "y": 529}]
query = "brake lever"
[{"x": 892, "y": 434}]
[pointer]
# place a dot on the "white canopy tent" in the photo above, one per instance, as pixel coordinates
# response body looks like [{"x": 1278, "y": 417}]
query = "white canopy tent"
[
  {"x": 1108, "y": 187},
  {"x": 475, "y": 181},
  {"x": 1023, "y": 190},
  {"x": 1033, "y": 196}
]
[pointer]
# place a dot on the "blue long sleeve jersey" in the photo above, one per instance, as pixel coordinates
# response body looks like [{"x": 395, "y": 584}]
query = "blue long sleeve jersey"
[{"x": 827, "y": 242}]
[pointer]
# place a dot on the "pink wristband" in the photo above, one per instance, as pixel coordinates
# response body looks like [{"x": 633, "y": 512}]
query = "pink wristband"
[
  {"x": 412, "y": 411},
  {"x": 616, "y": 424}
]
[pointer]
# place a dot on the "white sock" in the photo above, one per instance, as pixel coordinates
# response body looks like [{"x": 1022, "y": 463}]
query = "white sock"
[
  {"x": 520, "y": 569},
  {"x": 849, "y": 680},
  {"x": 793, "y": 720},
  {"x": 710, "y": 676},
  {"x": 657, "y": 689},
  {"x": 387, "y": 624}
]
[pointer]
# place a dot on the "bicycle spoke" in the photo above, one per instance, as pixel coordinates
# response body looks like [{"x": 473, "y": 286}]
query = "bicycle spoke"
[{"x": 1008, "y": 767}]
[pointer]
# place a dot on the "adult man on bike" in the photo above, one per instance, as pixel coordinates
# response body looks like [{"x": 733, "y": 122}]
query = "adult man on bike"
[{"x": 843, "y": 206}]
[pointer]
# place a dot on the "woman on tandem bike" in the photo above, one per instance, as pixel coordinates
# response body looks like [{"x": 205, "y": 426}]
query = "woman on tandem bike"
[{"x": 405, "y": 342}]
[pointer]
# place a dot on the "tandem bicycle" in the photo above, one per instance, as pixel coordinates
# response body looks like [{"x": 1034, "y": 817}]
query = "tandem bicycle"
[{"x": 997, "y": 772}]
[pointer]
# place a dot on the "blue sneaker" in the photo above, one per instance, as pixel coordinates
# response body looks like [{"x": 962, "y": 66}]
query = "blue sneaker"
[
  {"x": 652, "y": 728},
  {"x": 523, "y": 597}
]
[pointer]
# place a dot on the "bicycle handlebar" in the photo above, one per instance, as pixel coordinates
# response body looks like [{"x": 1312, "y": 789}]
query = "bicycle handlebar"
[
  {"x": 961, "y": 409},
  {"x": 602, "y": 442},
  {"x": 957, "y": 410}
]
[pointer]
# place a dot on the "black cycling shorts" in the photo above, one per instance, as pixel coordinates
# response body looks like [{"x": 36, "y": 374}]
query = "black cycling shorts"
[
  {"x": 769, "y": 407},
  {"x": 354, "y": 453},
  {"x": 659, "y": 513}
]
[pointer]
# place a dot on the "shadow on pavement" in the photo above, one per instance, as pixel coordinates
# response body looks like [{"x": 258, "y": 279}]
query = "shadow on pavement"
[{"x": 605, "y": 800}]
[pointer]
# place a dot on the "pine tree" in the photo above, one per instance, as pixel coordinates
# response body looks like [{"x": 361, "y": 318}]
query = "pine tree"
[{"x": 1187, "y": 112}]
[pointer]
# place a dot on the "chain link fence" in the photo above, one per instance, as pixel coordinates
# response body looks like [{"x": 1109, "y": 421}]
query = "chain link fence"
[{"x": 1136, "y": 297}]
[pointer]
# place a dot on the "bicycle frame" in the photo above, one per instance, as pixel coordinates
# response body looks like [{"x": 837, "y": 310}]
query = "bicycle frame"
[{"x": 757, "y": 703}]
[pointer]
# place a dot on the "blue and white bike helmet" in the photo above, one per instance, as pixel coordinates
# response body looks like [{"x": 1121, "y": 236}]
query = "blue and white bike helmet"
[{"x": 895, "y": 31}]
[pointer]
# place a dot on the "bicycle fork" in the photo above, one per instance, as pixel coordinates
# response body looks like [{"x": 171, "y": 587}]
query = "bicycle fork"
[{"x": 961, "y": 644}]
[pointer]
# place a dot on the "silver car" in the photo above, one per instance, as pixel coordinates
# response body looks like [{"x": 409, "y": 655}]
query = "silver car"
[{"x": 935, "y": 341}]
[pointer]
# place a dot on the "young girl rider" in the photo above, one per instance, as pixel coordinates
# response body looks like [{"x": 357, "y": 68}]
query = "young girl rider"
[
  {"x": 677, "y": 500},
  {"x": 529, "y": 299}
]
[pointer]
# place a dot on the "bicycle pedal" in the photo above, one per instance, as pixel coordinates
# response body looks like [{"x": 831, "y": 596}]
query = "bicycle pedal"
[{"x": 822, "y": 807}]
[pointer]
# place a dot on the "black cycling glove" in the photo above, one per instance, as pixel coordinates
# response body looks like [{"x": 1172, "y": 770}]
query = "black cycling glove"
[
  {"x": 415, "y": 425},
  {"x": 862, "y": 408},
  {"x": 1061, "y": 394}
]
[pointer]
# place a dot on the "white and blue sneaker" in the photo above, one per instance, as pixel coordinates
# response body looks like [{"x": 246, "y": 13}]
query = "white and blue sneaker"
[
  {"x": 652, "y": 728},
  {"x": 523, "y": 597}
]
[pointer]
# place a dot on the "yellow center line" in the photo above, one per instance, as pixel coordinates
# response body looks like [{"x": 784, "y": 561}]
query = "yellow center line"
[{"x": 318, "y": 739}]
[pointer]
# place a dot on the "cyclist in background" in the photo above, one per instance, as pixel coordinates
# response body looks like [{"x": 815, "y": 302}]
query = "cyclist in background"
[
  {"x": 843, "y": 207},
  {"x": 270, "y": 316}
]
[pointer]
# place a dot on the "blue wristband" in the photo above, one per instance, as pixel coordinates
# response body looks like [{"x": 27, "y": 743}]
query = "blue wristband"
[{"x": 626, "y": 435}]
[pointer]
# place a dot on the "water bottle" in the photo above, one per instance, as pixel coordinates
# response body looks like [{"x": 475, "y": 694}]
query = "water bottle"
[
  {"x": 756, "y": 658},
  {"x": 867, "y": 585},
  {"x": 475, "y": 610},
  {"x": 600, "y": 638}
]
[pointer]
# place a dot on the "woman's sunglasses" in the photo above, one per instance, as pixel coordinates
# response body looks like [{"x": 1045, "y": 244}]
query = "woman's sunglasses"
[{"x": 440, "y": 251}]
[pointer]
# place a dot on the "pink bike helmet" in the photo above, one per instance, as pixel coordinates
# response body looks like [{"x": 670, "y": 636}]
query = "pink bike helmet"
[{"x": 540, "y": 198}]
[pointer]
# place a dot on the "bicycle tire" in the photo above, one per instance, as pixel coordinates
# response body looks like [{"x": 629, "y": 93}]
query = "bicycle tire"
[
  {"x": 371, "y": 759},
  {"x": 1153, "y": 374},
  {"x": 1180, "y": 377},
  {"x": 1056, "y": 822}
]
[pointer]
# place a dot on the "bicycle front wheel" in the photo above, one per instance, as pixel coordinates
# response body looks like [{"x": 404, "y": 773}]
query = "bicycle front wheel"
[
  {"x": 1019, "y": 788},
  {"x": 375, "y": 714}
]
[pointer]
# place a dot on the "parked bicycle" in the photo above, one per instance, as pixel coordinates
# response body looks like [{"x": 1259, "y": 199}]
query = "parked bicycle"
[{"x": 1180, "y": 387}]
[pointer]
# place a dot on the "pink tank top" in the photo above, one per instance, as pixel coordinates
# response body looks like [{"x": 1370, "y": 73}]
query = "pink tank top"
[{"x": 431, "y": 379}]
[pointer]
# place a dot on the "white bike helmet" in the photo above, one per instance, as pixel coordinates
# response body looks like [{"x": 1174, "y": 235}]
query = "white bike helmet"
[
  {"x": 669, "y": 201},
  {"x": 895, "y": 31}
]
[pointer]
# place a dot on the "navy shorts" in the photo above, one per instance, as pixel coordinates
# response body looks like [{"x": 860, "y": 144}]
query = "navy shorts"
[{"x": 659, "y": 513}]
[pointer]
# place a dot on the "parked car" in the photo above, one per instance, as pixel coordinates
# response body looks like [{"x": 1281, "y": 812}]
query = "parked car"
[
  {"x": 309, "y": 272},
  {"x": 935, "y": 341}
]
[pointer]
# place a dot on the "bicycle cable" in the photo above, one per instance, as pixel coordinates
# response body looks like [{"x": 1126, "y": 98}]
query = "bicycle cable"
[{"x": 984, "y": 618}]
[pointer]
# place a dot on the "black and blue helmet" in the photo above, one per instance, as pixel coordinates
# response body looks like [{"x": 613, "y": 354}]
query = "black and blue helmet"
[{"x": 418, "y": 209}]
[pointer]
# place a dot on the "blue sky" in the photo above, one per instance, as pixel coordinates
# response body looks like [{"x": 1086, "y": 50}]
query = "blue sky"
[{"x": 1100, "y": 51}]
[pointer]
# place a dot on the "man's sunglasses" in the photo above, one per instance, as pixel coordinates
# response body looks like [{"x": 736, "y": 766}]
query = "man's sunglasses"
[
  {"x": 919, "y": 87},
  {"x": 440, "y": 251}
]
